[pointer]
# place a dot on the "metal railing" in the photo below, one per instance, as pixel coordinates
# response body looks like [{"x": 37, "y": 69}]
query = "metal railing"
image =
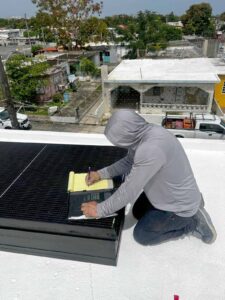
[{"x": 176, "y": 107}]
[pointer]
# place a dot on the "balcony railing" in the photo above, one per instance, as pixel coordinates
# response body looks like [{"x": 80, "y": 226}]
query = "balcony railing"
[{"x": 175, "y": 107}]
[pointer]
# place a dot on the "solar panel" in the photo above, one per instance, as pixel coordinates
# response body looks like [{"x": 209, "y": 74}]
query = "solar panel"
[{"x": 34, "y": 199}]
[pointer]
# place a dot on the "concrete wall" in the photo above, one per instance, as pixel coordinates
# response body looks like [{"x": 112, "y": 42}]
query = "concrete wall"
[
  {"x": 113, "y": 55},
  {"x": 121, "y": 51},
  {"x": 181, "y": 95},
  {"x": 95, "y": 59},
  {"x": 197, "y": 98},
  {"x": 211, "y": 48},
  {"x": 114, "y": 97}
]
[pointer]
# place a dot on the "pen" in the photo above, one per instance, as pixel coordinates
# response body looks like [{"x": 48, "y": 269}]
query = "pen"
[{"x": 89, "y": 173}]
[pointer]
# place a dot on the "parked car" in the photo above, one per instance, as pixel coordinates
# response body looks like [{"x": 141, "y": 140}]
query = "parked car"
[
  {"x": 5, "y": 121},
  {"x": 203, "y": 126}
]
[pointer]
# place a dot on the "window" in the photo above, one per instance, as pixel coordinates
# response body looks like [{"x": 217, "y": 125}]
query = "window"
[
  {"x": 4, "y": 115},
  {"x": 107, "y": 53},
  {"x": 156, "y": 91},
  {"x": 222, "y": 123},
  {"x": 223, "y": 88},
  {"x": 211, "y": 127}
]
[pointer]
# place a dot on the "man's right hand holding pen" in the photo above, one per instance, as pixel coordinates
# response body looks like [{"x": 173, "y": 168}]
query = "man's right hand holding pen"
[
  {"x": 92, "y": 177},
  {"x": 89, "y": 209}
]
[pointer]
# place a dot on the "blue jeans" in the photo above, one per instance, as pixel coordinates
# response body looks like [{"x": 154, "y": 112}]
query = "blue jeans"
[{"x": 155, "y": 226}]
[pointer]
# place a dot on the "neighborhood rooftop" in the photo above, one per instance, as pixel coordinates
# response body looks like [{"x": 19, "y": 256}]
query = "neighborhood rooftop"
[{"x": 198, "y": 70}]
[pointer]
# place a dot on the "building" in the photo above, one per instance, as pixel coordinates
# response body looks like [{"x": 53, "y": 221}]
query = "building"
[
  {"x": 56, "y": 79},
  {"x": 109, "y": 53},
  {"x": 177, "y": 24},
  {"x": 159, "y": 86},
  {"x": 15, "y": 37},
  {"x": 219, "y": 95}
]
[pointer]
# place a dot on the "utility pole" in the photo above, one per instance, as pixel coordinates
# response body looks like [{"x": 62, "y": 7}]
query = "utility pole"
[
  {"x": 28, "y": 33},
  {"x": 43, "y": 36},
  {"x": 7, "y": 96}
]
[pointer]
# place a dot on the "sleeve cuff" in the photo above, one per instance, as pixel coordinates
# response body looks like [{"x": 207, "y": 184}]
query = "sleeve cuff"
[
  {"x": 99, "y": 211},
  {"x": 104, "y": 173}
]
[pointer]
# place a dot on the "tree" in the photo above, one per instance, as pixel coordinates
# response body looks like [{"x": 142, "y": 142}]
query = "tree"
[
  {"x": 26, "y": 76},
  {"x": 172, "y": 18},
  {"x": 7, "y": 95},
  {"x": 41, "y": 25},
  {"x": 66, "y": 16},
  {"x": 35, "y": 49},
  {"x": 222, "y": 17},
  {"x": 93, "y": 30},
  {"x": 88, "y": 67},
  {"x": 222, "y": 28},
  {"x": 198, "y": 20},
  {"x": 148, "y": 31}
]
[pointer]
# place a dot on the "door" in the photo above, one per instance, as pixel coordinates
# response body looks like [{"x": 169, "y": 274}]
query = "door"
[{"x": 210, "y": 131}]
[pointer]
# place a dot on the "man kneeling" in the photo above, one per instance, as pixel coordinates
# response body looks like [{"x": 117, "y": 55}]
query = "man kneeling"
[{"x": 158, "y": 177}]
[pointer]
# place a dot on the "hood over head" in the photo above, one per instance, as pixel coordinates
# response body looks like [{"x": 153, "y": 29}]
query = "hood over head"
[{"x": 126, "y": 128}]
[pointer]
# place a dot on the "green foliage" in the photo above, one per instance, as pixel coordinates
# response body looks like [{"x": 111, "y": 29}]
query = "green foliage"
[
  {"x": 41, "y": 24},
  {"x": 198, "y": 20},
  {"x": 172, "y": 18},
  {"x": 222, "y": 28},
  {"x": 66, "y": 17},
  {"x": 116, "y": 20},
  {"x": 88, "y": 67},
  {"x": 74, "y": 68},
  {"x": 26, "y": 77},
  {"x": 35, "y": 48},
  {"x": 57, "y": 98},
  {"x": 93, "y": 30},
  {"x": 1, "y": 94},
  {"x": 148, "y": 31},
  {"x": 222, "y": 16},
  {"x": 13, "y": 23}
]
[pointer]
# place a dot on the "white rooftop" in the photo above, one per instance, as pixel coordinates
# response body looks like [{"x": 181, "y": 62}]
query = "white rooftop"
[
  {"x": 190, "y": 70},
  {"x": 219, "y": 64},
  {"x": 186, "y": 267}
]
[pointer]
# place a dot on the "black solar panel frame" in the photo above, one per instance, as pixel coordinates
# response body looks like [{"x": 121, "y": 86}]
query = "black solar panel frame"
[{"x": 24, "y": 221}]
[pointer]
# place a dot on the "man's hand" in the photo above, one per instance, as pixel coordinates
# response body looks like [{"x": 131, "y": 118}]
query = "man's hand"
[
  {"x": 89, "y": 209},
  {"x": 92, "y": 177}
]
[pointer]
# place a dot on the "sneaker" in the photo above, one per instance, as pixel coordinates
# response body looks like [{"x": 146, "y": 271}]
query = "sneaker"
[{"x": 204, "y": 227}]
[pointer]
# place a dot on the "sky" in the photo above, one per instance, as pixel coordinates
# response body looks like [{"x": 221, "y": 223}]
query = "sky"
[{"x": 11, "y": 8}]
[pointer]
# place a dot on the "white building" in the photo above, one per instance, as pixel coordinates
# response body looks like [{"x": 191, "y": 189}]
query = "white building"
[{"x": 161, "y": 85}]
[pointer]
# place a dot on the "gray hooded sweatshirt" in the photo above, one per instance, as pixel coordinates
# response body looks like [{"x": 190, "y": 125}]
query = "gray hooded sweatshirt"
[{"x": 156, "y": 164}]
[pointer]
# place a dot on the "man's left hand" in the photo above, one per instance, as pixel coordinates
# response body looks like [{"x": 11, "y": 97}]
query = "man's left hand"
[{"x": 89, "y": 209}]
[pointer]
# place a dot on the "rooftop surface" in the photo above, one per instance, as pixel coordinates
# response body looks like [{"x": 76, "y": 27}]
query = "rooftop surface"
[
  {"x": 191, "y": 70},
  {"x": 219, "y": 64},
  {"x": 186, "y": 267}
]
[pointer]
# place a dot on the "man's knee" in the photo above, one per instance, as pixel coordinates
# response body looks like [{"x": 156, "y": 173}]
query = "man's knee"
[{"x": 142, "y": 237}]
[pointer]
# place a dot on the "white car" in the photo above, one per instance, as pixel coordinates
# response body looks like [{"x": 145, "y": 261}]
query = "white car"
[{"x": 5, "y": 122}]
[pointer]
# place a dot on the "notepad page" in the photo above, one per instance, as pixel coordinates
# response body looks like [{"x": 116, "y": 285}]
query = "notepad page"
[{"x": 77, "y": 183}]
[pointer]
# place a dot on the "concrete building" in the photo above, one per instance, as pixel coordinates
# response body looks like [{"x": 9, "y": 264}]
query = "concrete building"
[
  {"x": 177, "y": 24},
  {"x": 219, "y": 95},
  {"x": 109, "y": 53},
  {"x": 57, "y": 80},
  {"x": 158, "y": 86}
]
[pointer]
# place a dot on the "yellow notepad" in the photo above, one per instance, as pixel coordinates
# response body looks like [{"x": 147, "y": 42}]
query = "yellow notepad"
[{"x": 77, "y": 183}]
